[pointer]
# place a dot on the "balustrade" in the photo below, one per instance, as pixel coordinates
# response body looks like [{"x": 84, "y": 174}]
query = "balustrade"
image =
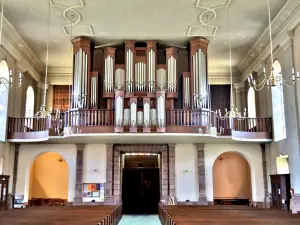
[
  {"x": 27, "y": 124},
  {"x": 89, "y": 117}
]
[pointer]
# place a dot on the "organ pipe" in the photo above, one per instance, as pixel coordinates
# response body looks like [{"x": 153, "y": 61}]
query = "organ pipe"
[
  {"x": 108, "y": 76},
  {"x": 201, "y": 99},
  {"x": 140, "y": 75},
  {"x": 80, "y": 79}
]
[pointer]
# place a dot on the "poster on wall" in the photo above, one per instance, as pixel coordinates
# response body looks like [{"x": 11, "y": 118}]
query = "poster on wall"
[{"x": 94, "y": 190}]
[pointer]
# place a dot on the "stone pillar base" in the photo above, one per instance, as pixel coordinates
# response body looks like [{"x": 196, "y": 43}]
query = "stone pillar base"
[
  {"x": 108, "y": 200},
  {"x": 119, "y": 129},
  {"x": 295, "y": 203},
  {"x": 268, "y": 202},
  {"x": 202, "y": 201},
  {"x": 78, "y": 200},
  {"x": 146, "y": 129},
  {"x": 133, "y": 129},
  {"x": 161, "y": 130}
]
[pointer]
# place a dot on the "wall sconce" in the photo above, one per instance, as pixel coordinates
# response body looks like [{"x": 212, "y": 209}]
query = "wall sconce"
[
  {"x": 94, "y": 170},
  {"x": 60, "y": 159},
  {"x": 187, "y": 171}
]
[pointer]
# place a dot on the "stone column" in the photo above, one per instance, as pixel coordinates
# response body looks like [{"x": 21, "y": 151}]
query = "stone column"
[
  {"x": 116, "y": 181},
  {"x": 165, "y": 177},
  {"x": 268, "y": 196},
  {"x": 79, "y": 173},
  {"x": 172, "y": 181},
  {"x": 109, "y": 173},
  {"x": 201, "y": 175},
  {"x": 239, "y": 93},
  {"x": 38, "y": 102},
  {"x": 15, "y": 170}
]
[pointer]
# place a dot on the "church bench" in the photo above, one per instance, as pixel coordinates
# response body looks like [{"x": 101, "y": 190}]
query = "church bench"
[
  {"x": 215, "y": 215},
  {"x": 77, "y": 215}
]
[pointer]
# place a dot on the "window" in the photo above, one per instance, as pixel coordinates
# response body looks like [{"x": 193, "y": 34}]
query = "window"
[
  {"x": 278, "y": 107},
  {"x": 3, "y": 100},
  {"x": 251, "y": 107},
  {"x": 29, "y": 108}
]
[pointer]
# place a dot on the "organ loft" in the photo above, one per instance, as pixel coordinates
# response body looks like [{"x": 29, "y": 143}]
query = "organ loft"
[{"x": 141, "y": 82}]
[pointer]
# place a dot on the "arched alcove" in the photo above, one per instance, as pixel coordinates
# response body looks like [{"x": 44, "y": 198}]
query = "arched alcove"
[
  {"x": 278, "y": 106},
  {"x": 231, "y": 177},
  {"x": 29, "y": 107},
  {"x": 49, "y": 177},
  {"x": 4, "y": 71}
]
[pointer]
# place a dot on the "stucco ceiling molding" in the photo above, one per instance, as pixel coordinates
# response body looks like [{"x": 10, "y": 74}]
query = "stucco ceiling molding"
[
  {"x": 288, "y": 18},
  {"x": 60, "y": 76},
  {"x": 206, "y": 28},
  {"x": 15, "y": 45},
  {"x": 68, "y": 13}
]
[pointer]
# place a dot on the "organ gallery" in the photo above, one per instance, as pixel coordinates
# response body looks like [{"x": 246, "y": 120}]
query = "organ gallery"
[{"x": 141, "y": 82}]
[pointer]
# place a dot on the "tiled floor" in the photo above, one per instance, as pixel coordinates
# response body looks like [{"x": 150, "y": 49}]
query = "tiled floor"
[{"x": 140, "y": 220}]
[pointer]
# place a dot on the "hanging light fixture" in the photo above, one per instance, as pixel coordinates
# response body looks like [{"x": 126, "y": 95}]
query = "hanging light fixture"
[
  {"x": 68, "y": 129},
  {"x": 43, "y": 113},
  {"x": 8, "y": 82},
  {"x": 233, "y": 113},
  {"x": 272, "y": 79}
]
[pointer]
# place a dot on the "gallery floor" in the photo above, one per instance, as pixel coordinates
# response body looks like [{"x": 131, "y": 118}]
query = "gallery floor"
[{"x": 140, "y": 220}]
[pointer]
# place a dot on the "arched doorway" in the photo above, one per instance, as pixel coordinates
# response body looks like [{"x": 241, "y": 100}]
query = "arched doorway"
[
  {"x": 232, "y": 180},
  {"x": 49, "y": 176}
]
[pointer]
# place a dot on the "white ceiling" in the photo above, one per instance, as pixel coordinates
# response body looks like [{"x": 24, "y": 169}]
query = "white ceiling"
[{"x": 164, "y": 20}]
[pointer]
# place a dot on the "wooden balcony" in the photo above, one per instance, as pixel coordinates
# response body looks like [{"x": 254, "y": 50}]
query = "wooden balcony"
[
  {"x": 34, "y": 129},
  {"x": 85, "y": 121}
]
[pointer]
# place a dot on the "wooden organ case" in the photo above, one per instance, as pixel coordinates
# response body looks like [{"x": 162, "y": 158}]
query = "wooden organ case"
[{"x": 140, "y": 92}]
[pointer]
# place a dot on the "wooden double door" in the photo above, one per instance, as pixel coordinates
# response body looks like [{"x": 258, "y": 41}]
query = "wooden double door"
[{"x": 140, "y": 191}]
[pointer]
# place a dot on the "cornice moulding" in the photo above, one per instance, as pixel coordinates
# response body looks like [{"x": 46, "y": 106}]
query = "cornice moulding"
[
  {"x": 15, "y": 45},
  {"x": 287, "y": 19}
]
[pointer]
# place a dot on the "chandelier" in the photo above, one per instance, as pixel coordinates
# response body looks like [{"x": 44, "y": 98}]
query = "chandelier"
[
  {"x": 233, "y": 113},
  {"x": 272, "y": 79},
  {"x": 43, "y": 113},
  {"x": 8, "y": 81}
]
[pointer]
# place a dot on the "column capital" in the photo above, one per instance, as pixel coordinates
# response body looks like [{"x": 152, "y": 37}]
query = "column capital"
[
  {"x": 291, "y": 34},
  {"x": 239, "y": 87},
  {"x": 109, "y": 146},
  {"x": 41, "y": 85},
  {"x": 171, "y": 146},
  {"x": 80, "y": 147},
  {"x": 200, "y": 146}
]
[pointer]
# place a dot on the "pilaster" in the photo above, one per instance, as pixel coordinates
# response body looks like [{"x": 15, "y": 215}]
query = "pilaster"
[
  {"x": 201, "y": 175},
  {"x": 109, "y": 175},
  {"x": 79, "y": 173},
  {"x": 239, "y": 95}
]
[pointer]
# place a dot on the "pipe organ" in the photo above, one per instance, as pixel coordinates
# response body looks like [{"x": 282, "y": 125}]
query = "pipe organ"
[{"x": 140, "y": 81}]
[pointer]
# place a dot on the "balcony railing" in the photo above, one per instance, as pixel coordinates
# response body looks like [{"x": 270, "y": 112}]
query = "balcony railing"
[
  {"x": 103, "y": 121},
  {"x": 89, "y": 117}
]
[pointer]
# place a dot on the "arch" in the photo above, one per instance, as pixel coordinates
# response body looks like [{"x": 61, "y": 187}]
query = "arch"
[
  {"x": 49, "y": 177},
  {"x": 29, "y": 107},
  {"x": 278, "y": 106},
  {"x": 231, "y": 177},
  {"x": 3, "y": 100}
]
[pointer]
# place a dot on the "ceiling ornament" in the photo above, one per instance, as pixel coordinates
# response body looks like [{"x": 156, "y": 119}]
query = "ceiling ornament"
[
  {"x": 71, "y": 14},
  {"x": 206, "y": 28}
]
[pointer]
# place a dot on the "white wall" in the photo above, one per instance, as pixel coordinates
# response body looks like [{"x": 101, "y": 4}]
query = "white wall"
[
  {"x": 251, "y": 152},
  {"x": 94, "y": 158},
  {"x": 27, "y": 155},
  {"x": 186, "y": 182}
]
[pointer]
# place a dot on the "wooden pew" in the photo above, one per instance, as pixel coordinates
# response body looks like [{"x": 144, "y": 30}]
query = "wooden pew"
[
  {"x": 225, "y": 215},
  {"x": 76, "y": 215}
]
